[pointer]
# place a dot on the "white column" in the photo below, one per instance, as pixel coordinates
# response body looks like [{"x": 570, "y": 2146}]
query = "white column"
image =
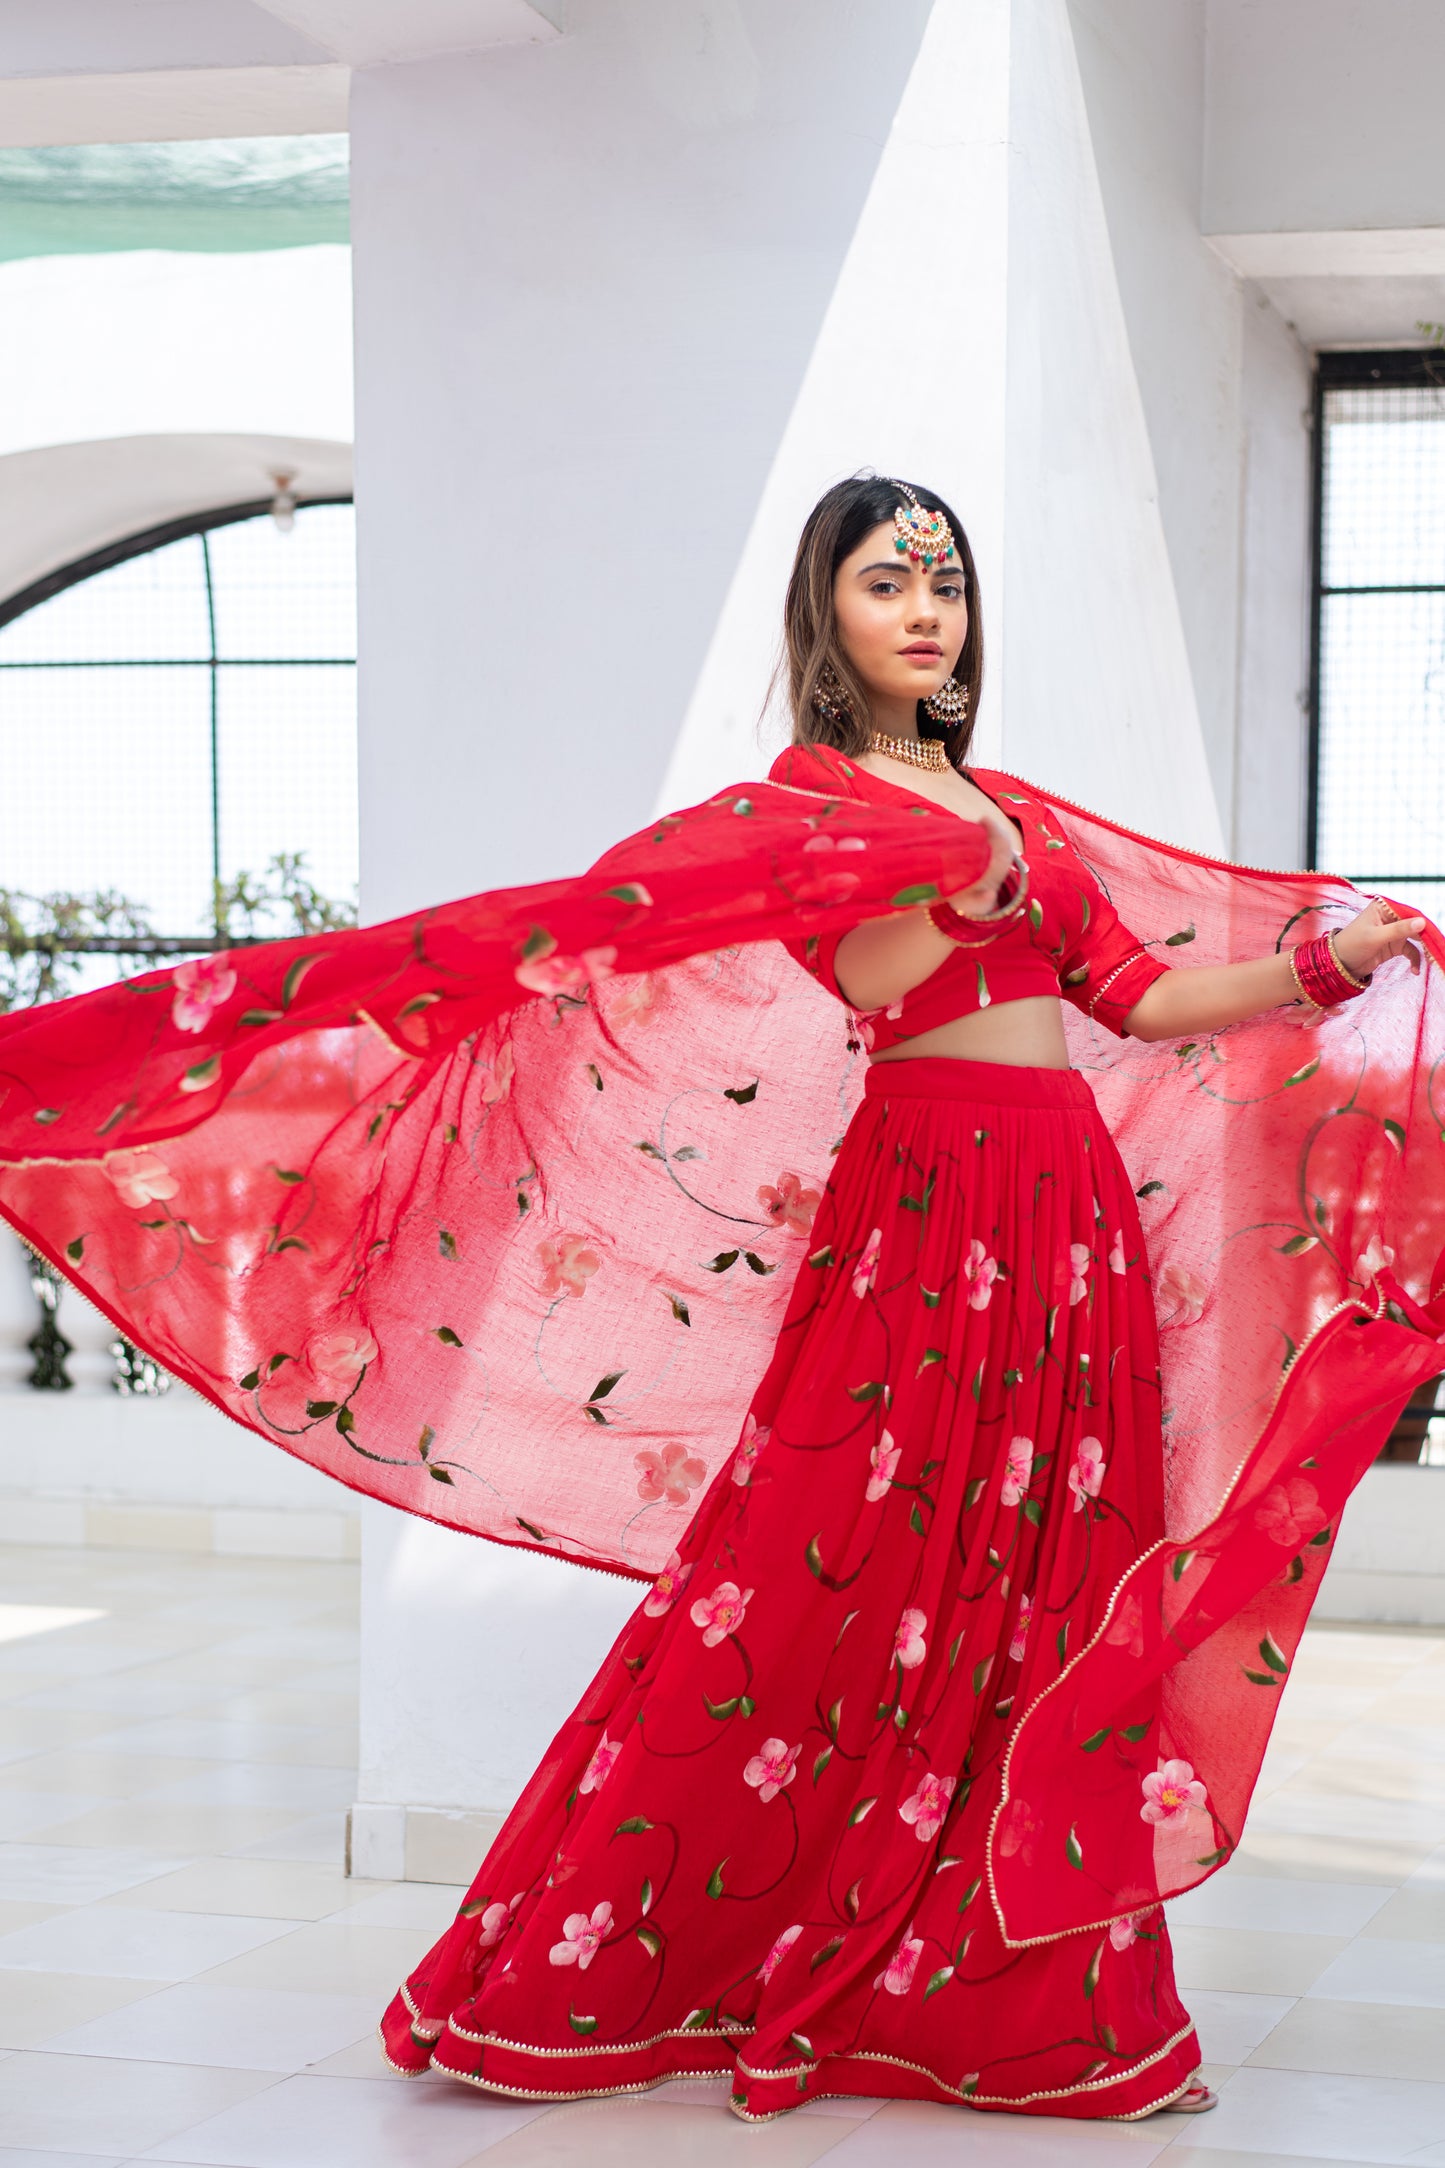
[
  {"x": 589, "y": 277},
  {"x": 19, "y": 1314}
]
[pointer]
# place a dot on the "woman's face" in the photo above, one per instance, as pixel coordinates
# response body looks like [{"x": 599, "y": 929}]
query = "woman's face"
[{"x": 901, "y": 628}]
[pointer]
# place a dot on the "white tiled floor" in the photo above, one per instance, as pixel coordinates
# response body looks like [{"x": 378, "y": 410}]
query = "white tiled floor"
[{"x": 187, "y": 1976}]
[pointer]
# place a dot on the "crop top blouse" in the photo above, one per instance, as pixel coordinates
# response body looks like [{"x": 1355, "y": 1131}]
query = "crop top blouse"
[{"x": 1068, "y": 941}]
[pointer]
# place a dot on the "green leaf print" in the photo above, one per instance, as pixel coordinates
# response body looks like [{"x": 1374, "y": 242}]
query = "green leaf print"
[
  {"x": 1073, "y": 1850},
  {"x": 1135, "y": 1732},
  {"x": 829, "y": 1949},
  {"x": 447, "y": 1337},
  {"x": 862, "y": 1810},
  {"x": 715, "y": 1879},
  {"x": 1395, "y": 1132},
  {"x": 651, "y": 1940},
  {"x": 743, "y": 1095},
  {"x": 1091, "y": 1973},
  {"x": 645, "y": 1897},
  {"x": 634, "y": 1826},
  {"x": 1180, "y": 939},
  {"x": 821, "y": 1761},
  {"x": 580, "y": 2024},
  {"x": 1273, "y": 1654},
  {"x": 1302, "y": 1076},
  {"x": 1092, "y": 1744},
  {"x": 940, "y": 1979}
]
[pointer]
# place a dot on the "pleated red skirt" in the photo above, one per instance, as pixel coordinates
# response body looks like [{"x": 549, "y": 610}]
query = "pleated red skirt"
[{"x": 759, "y": 1844}]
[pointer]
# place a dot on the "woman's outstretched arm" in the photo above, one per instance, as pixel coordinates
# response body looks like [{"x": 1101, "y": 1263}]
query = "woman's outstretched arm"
[{"x": 1209, "y": 996}]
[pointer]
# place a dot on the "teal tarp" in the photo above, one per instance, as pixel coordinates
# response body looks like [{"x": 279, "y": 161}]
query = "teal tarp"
[{"x": 247, "y": 193}]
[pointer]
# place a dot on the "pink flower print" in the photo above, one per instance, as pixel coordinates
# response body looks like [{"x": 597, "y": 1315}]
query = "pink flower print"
[
  {"x": 1373, "y": 1259},
  {"x": 201, "y": 988},
  {"x": 584, "y": 1937},
  {"x": 777, "y": 1953},
  {"x": 1126, "y": 1628},
  {"x": 497, "y": 1081},
  {"x": 926, "y": 1806},
  {"x": 1087, "y": 1474},
  {"x": 140, "y": 1177},
  {"x": 566, "y": 1262},
  {"x": 335, "y": 1360},
  {"x": 788, "y": 1204},
  {"x": 897, "y": 1974},
  {"x": 668, "y": 1586},
  {"x": 1080, "y": 1259},
  {"x": 979, "y": 1272},
  {"x": 495, "y": 1920},
  {"x": 772, "y": 1767},
  {"x": 755, "y": 1436},
  {"x": 1022, "y": 1623},
  {"x": 1289, "y": 1512},
  {"x": 1018, "y": 1474},
  {"x": 883, "y": 1461},
  {"x": 1116, "y": 1253},
  {"x": 599, "y": 1769},
  {"x": 633, "y": 1002},
  {"x": 831, "y": 883},
  {"x": 559, "y": 974},
  {"x": 1169, "y": 1794},
  {"x": 1179, "y": 1295},
  {"x": 721, "y": 1612},
  {"x": 670, "y": 1474},
  {"x": 909, "y": 1646},
  {"x": 1125, "y": 1933},
  {"x": 866, "y": 1269}
]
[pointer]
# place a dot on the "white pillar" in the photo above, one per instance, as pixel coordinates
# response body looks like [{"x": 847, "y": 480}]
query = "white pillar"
[
  {"x": 19, "y": 1314},
  {"x": 589, "y": 276}
]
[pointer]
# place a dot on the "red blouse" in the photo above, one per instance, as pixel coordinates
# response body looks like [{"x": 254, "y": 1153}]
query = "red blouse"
[{"x": 1068, "y": 941}]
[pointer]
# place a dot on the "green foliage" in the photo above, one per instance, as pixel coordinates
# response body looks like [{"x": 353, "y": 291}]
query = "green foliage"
[{"x": 44, "y": 939}]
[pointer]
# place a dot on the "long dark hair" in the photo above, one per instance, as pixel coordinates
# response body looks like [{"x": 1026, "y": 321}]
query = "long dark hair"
[{"x": 834, "y": 528}]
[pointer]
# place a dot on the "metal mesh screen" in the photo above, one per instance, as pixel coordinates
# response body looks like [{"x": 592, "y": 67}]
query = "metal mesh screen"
[
  {"x": 182, "y": 718},
  {"x": 1379, "y": 783}
]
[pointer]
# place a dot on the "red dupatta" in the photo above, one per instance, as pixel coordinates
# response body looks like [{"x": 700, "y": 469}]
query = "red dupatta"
[{"x": 491, "y": 1213}]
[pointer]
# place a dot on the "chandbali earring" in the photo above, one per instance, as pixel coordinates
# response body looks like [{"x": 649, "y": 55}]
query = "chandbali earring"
[
  {"x": 830, "y": 698},
  {"x": 949, "y": 705}
]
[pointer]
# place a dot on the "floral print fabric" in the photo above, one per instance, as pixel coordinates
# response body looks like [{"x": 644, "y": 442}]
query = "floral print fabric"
[
  {"x": 493, "y": 1213},
  {"x": 765, "y": 1829}
]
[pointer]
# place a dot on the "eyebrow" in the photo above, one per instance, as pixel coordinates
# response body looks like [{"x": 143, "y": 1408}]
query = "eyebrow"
[{"x": 955, "y": 571}]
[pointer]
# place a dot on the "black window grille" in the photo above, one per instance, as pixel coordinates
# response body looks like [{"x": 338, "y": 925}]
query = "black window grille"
[
  {"x": 179, "y": 710},
  {"x": 1377, "y": 707}
]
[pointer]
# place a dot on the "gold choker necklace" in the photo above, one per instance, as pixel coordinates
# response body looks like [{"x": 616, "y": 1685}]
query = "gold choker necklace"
[{"x": 917, "y": 752}]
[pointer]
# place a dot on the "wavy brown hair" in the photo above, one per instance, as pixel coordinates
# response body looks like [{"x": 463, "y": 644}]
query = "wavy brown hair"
[{"x": 834, "y": 528}]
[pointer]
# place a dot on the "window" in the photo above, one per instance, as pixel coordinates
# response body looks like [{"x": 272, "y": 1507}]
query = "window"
[
  {"x": 183, "y": 715},
  {"x": 1377, "y": 768},
  {"x": 1377, "y": 797}
]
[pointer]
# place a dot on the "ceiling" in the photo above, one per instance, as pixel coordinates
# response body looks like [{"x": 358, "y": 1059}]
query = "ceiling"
[{"x": 147, "y": 71}]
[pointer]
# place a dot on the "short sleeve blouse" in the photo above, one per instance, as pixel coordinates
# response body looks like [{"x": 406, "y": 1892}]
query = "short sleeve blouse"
[{"x": 1069, "y": 941}]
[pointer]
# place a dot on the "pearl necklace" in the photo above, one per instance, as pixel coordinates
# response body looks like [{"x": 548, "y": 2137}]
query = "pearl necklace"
[{"x": 917, "y": 752}]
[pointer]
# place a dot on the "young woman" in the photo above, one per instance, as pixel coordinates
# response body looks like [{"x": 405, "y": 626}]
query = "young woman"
[
  {"x": 760, "y": 1844},
  {"x": 949, "y": 1678}
]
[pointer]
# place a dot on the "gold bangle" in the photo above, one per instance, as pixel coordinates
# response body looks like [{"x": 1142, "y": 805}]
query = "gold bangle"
[
  {"x": 1300, "y": 995},
  {"x": 1343, "y": 968}
]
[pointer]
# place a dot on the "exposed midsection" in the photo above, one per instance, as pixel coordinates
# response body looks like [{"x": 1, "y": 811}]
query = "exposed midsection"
[{"x": 1029, "y": 1033}]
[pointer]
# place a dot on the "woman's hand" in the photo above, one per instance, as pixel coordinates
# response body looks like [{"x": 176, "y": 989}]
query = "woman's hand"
[
  {"x": 976, "y": 901},
  {"x": 1374, "y": 937}
]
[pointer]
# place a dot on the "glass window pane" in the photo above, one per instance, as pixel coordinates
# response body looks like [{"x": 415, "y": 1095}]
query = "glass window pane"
[
  {"x": 108, "y": 785},
  {"x": 1382, "y": 734},
  {"x": 151, "y": 607},
  {"x": 288, "y": 771},
  {"x": 279, "y": 594},
  {"x": 1384, "y": 487}
]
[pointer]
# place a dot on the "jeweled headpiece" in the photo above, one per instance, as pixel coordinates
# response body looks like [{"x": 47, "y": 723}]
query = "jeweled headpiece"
[{"x": 924, "y": 538}]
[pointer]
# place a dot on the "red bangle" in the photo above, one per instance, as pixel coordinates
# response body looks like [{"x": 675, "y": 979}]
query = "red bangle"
[
  {"x": 1322, "y": 979},
  {"x": 970, "y": 932}
]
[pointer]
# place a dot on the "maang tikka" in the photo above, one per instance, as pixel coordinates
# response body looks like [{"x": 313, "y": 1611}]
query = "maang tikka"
[{"x": 924, "y": 538}]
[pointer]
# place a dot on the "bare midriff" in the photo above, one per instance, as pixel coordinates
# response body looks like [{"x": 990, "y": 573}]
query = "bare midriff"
[{"x": 1027, "y": 1033}]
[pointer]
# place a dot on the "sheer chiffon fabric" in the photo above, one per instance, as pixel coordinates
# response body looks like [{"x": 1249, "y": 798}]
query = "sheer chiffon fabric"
[
  {"x": 760, "y": 1844},
  {"x": 494, "y": 1214}
]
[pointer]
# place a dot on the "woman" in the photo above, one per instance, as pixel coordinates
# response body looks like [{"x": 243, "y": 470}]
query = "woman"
[
  {"x": 926, "y": 1710},
  {"x": 760, "y": 1843}
]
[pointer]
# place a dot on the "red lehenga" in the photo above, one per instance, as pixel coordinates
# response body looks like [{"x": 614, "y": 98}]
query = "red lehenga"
[{"x": 952, "y": 1676}]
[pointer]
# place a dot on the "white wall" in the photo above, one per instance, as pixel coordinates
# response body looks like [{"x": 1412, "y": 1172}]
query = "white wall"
[
  {"x": 1323, "y": 115},
  {"x": 153, "y": 343}
]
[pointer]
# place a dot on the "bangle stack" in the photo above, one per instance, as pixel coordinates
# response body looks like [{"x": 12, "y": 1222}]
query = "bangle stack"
[
  {"x": 1322, "y": 979},
  {"x": 1013, "y": 894}
]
